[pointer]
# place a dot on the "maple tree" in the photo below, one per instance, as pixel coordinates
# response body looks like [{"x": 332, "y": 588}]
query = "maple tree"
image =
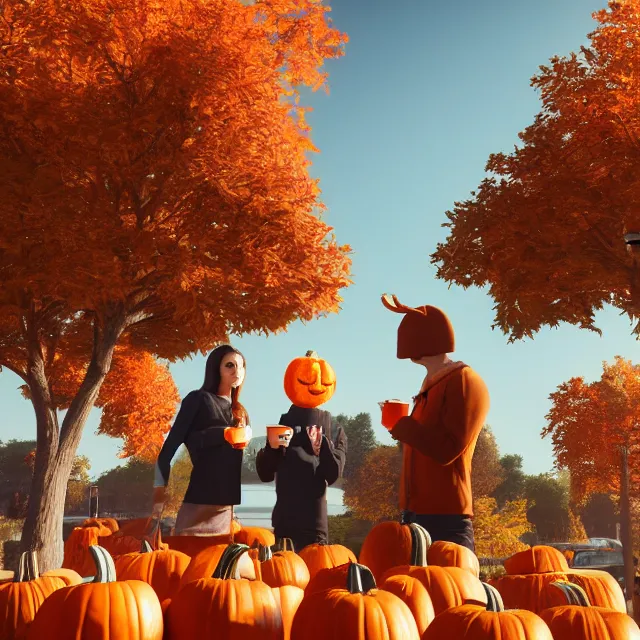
[
  {"x": 595, "y": 431},
  {"x": 545, "y": 230},
  {"x": 590, "y": 422},
  {"x": 156, "y": 198}
]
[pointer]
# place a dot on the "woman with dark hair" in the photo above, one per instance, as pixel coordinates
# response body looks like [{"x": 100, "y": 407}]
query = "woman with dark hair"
[{"x": 214, "y": 426}]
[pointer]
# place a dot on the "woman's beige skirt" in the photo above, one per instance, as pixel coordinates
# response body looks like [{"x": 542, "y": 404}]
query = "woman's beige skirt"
[{"x": 203, "y": 520}]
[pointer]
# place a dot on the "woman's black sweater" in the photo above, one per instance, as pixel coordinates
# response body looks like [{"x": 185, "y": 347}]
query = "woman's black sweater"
[
  {"x": 200, "y": 424},
  {"x": 302, "y": 477}
]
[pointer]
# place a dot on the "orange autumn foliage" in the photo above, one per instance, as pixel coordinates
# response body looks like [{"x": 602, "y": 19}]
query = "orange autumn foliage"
[
  {"x": 589, "y": 422},
  {"x": 156, "y": 198},
  {"x": 544, "y": 231}
]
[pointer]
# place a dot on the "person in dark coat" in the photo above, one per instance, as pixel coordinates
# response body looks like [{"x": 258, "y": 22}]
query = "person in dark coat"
[
  {"x": 303, "y": 469},
  {"x": 206, "y": 423}
]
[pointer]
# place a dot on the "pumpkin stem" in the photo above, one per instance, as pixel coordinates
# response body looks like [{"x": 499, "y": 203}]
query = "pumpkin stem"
[
  {"x": 494, "y": 599},
  {"x": 27, "y": 567},
  {"x": 284, "y": 544},
  {"x": 360, "y": 579},
  {"x": 264, "y": 553},
  {"x": 227, "y": 568},
  {"x": 311, "y": 354},
  {"x": 105, "y": 568},
  {"x": 420, "y": 543},
  {"x": 145, "y": 547},
  {"x": 574, "y": 593}
]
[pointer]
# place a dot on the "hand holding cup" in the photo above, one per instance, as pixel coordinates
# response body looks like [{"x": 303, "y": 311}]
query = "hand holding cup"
[
  {"x": 278, "y": 435},
  {"x": 392, "y": 411}
]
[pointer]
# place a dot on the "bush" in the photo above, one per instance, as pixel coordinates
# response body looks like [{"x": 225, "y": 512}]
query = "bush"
[
  {"x": 10, "y": 531},
  {"x": 348, "y": 531}
]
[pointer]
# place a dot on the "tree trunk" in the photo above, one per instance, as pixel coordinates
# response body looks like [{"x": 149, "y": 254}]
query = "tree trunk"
[
  {"x": 56, "y": 448},
  {"x": 626, "y": 532}
]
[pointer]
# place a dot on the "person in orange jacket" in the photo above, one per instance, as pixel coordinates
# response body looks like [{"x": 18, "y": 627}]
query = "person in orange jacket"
[{"x": 440, "y": 434}]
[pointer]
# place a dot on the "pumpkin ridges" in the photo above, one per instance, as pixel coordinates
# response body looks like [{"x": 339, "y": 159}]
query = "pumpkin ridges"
[
  {"x": 403, "y": 544},
  {"x": 163, "y": 570},
  {"x": 21, "y": 599},
  {"x": 532, "y": 592},
  {"x": 337, "y": 613},
  {"x": 218, "y": 608},
  {"x": 578, "y": 620},
  {"x": 536, "y": 559},
  {"x": 285, "y": 568},
  {"x": 309, "y": 381},
  {"x": 415, "y": 595},
  {"x": 447, "y": 586},
  {"x": 473, "y": 622},
  {"x": 323, "y": 556},
  {"x": 100, "y": 603},
  {"x": 450, "y": 554}
]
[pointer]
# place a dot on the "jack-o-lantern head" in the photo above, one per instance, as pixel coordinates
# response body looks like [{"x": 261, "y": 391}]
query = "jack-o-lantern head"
[{"x": 309, "y": 381}]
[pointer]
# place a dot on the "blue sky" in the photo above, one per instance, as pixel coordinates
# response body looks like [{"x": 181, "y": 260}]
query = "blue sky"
[{"x": 425, "y": 93}]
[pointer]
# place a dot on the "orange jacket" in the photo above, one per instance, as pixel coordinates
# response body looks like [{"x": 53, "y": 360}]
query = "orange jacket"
[{"x": 441, "y": 435}]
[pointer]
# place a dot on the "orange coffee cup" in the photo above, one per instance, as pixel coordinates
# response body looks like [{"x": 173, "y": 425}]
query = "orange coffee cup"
[
  {"x": 279, "y": 435},
  {"x": 392, "y": 411},
  {"x": 237, "y": 437}
]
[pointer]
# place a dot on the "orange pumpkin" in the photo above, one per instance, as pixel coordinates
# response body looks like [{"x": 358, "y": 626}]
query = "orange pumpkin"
[
  {"x": 536, "y": 559},
  {"x": 324, "y": 556},
  {"x": 390, "y": 544},
  {"x": 360, "y": 611},
  {"x": 450, "y": 554},
  {"x": 283, "y": 568},
  {"x": 102, "y": 609},
  {"x": 21, "y": 598},
  {"x": 493, "y": 623},
  {"x": 329, "y": 578},
  {"x": 161, "y": 569},
  {"x": 109, "y": 523},
  {"x": 288, "y": 598},
  {"x": 224, "y": 605},
  {"x": 309, "y": 381},
  {"x": 415, "y": 595},
  {"x": 76, "y": 549},
  {"x": 253, "y": 536},
  {"x": 68, "y": 576},
  {"x": 203, "y": 564},
  {"x": 578, "y": 620}
]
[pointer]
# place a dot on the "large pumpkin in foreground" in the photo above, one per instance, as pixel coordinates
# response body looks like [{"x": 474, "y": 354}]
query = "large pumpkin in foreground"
[
  {"x": 578, "y": 620},
  {"x": 493, "y": 623},
  {"x": 100, "y": 610},
  {"x": 360, "y": 611},
  {"x": 21, "y": 598},
  {"x": 309, "y": 381},
  {"x": 224, "y": 606}
]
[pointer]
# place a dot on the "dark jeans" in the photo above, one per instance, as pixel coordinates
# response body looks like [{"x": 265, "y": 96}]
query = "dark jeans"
[{"x": 451, "y": 528}]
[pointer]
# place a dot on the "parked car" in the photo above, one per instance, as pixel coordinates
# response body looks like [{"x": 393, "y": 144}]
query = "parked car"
[{"x": 609, "y": 560}]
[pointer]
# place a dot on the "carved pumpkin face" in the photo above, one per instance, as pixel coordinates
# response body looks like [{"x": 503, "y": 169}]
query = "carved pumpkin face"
[{"x": 309, "y": 381}]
